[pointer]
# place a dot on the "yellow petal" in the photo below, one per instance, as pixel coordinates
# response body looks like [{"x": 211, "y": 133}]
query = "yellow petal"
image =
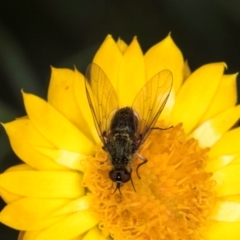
[
  {"x": 122, "y": 45},
  {"x": 196, "y": 95},
  {"x": 232, "y": 198},
  {"x": 167, "y": 110},
  {"x": 236, "y": 160},
  {"x": 61, "y": 96},
  {"x": 131, "y": 74},
  {"x": 21, "y": 235},
  {"x": 108, "y": 57},
  {"x": 81, "y": 98},
  {"x": 55, "y": 127},
  {"x": 226, "y": 211},
  {"x": 8, "y": 197},
  {"x": 165, "y": 55},
  {"x": 212, "y": 130},
  {"x": 225, "y": 97},
  {"x": 23, "y": 135},
  {"x": 94, "y": 234},
  {"x": 70, "y": 227},
  {"x": 72, "y": 206},
  {"x": 32, "y": 212},
  {"x": 227, "y": 180},
  {"x": 72, "y": 160},
  {"x": 29, "y": 235},
  {"x": 222, "y": 231},
  {"x": 19, "y": 167},
  {"x": 228, "y": 144},
  {"x": 43, "y": 184},
  {"x": 78, "y": 237},
  {"x": 219, "y": 162},
  {"x": 41, "y": 224},
  {"x": 186, "y": 71}
]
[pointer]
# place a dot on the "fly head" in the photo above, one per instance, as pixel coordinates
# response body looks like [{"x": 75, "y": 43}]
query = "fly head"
[{"x": 119, "y": 177}]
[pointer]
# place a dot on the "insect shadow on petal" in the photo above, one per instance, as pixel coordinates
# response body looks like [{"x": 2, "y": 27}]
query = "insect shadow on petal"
[{"x": 122, "y": 131}]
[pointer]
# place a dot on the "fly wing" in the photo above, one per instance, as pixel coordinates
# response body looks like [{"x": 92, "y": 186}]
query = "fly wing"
[
  {"x": 102, "y": 98},
  {"x": 150, "y": 102}
]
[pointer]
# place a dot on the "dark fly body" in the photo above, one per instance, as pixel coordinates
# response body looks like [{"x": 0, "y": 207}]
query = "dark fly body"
[
  {"x": 122, "y": 131},
  {"x": 121, "y": 144}
]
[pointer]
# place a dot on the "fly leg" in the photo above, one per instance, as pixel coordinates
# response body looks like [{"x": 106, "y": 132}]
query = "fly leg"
[
  {"x": 133, "y": 185},
  {"x": 117, "y": 188},
  {"x": 144, "y": 161},
  {"x": 104, "y": 139},
  {"x": 104, "y": 147}
]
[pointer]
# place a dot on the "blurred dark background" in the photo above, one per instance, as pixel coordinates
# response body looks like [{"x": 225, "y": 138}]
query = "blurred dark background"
[{"x": 37, "y": 34}]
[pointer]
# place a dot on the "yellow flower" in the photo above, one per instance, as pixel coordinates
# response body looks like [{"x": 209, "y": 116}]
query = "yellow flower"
[{"x": 189, "y": 188}]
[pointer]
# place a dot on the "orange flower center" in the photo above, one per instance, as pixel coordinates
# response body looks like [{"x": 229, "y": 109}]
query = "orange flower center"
[{"x": 173, "y": 198}]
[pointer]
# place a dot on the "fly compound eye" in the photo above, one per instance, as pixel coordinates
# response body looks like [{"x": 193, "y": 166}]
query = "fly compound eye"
[
  {"x": 113, "y": 175},
  {"x": 119, "y": 177},
  {"x": 126, "y": 176}
]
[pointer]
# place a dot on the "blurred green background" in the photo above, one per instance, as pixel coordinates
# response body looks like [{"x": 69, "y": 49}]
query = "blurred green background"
[{"x": 37, "y": 34}]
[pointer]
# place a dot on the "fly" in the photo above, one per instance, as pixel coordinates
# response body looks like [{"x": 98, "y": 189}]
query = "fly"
[{"x": 122, "y": 131}]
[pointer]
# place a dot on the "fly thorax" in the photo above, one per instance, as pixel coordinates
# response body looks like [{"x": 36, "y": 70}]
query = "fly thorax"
[{"x": 120, "y": 149}]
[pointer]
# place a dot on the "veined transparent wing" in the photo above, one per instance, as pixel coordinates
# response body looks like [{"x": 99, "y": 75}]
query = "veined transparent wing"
[
  {"x": 102, "y": 98},
  {"x": 150, "y": 102}
]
